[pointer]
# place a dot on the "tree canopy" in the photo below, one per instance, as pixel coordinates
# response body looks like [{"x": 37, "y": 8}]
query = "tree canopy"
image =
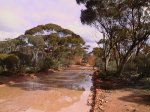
[
  {"x": 45, "y": 46},
  {"x": 125, "y": 25},
  {"x": 47, "y": 27}
]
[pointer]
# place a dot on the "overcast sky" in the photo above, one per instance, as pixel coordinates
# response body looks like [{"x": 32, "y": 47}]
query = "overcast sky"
[{"x": 16, "y": 16}]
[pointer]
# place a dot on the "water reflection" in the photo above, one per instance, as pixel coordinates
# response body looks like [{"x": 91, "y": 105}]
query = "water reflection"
[
  {"x": 67, "y": 79},
  {"x": 58, "y": 92}
]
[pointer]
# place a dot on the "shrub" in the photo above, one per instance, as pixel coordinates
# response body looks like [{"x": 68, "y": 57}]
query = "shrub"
[
  {"x": 47, "y": 63},
  {"x": 31, "y": 70},
  {"x": 143, "y": 65},
  {"x": 138, "y": 67},
  {"x": 130, "y": 66},
  {"x": 112, "y": 65},
  {"x": 64, "y": 62},
  {"x": 23, "y": 58},
  {"x": 9, "y": 62},
  {"x": 107, "y": 75}
]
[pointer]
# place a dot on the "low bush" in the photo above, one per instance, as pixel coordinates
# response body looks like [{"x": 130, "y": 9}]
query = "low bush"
[
  {"x": 31, "y": 70},
  {"x": 9, "y": 62},
  {"x": 48, "y": 63},
  {"x": 143, "y": 65},
  {"x": 107, "y": 75},
  {"x": 139, "y": 66}
]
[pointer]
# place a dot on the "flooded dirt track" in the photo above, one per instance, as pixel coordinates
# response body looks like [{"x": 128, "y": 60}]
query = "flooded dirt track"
[{"x": 65, "y": 91}]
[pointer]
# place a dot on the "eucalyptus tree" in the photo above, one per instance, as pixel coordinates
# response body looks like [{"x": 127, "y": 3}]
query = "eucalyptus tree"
[
  {"x": 37, "y": 44},
  {"x": 7, "y": 46},
  {"x": 53, "y": 44},
  {"x": 98, "y": 53},
  {"x": 100, "y": 14},
  {"x": 75, "y": 41},
  {"x": 43, "y": 46},
  {"x": 124, "y": 23},
  {"x": 20, "y": 43},
  {"x": 3, "y": 47}
]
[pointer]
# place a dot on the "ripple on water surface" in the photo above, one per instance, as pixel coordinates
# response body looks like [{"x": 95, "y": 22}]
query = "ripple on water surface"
[{"x": 59, "y": 92}]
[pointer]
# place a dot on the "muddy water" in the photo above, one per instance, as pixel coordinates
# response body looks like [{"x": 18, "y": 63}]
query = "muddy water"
[{"x": 65, "y": 91}]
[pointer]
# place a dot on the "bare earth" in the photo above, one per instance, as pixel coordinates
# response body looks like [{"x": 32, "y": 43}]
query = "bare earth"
[
  {"x": 121, "y": 100},
  {"x": 61, "y": 92}
]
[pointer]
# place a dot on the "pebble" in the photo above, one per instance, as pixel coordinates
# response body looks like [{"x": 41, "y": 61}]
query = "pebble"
[{"x": 106, "y": 101}]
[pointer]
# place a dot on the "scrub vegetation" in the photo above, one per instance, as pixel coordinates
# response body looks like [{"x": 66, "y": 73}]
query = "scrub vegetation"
[{"x": 41, "y": 48}]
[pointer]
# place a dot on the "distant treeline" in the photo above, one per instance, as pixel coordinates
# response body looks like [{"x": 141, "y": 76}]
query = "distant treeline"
[{"x": 40, "y": 48}]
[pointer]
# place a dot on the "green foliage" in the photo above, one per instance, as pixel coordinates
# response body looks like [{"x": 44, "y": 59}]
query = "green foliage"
[
  {"x": 75, "y": 39},
  {"x": 53, "y": 40},
  {"x": 24, "y": 59},
  {"x": 20, "y": 41},
  {"x": 138, "y": 66},
  {"x": 52, "y": 27},
  {"x": 79, "y": 51},
  {"x": 9, "y": 62},
  {"x": 66, "y": 31},
  {"x": 48, "y": 63},
  {"x": 7, "y": 46},
  {"x": 107, "y": 75},
  {"x": 112, "y": 65},
  {"x": 36, "y": 41},
  {"x": 36, "y": 52},
  {"x": 34, "y": 30},
  {"x": 143, "y": 65},
  {"x": 3, "y": 57},
  {"x": 125, "y": 26},
  {"x": 130, "y": 66},
  {"x": 98, "y": 52},
  {"x": 64, "y": 61}
]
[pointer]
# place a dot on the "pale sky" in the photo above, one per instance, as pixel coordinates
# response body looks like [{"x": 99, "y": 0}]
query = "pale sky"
[{"x": 16, "y": 16}]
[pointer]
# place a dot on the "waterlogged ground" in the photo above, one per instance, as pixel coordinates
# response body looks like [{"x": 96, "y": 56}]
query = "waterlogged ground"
[{"x": 65, "y": 91}]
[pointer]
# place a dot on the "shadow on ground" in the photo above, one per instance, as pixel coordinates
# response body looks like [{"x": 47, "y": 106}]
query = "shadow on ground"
[{"x": 138, "y": 94}]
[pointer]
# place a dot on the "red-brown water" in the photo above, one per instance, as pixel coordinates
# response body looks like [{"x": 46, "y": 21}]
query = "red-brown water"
[{"x": 65, "y": 91}]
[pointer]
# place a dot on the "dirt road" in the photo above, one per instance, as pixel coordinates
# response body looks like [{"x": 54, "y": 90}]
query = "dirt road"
[
  {"x": 119, "y": 98},
  {"x": 65, "y": 91}
]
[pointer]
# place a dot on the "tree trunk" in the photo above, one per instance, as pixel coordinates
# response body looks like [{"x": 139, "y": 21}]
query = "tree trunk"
[
  {"x": 121, "y": 66},
  {"x": 117, "y": 59},
  {"x": 124, "y": 61},
  {"x": 138, "y": 49},
  {"x": 106, "y": 63}
]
